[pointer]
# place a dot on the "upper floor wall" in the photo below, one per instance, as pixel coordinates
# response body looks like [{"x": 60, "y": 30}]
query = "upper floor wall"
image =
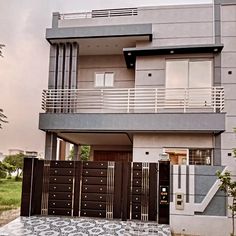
[{"x": 171, "y": 25}]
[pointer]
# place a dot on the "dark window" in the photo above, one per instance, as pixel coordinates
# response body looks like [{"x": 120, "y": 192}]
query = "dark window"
[{"x": 200, "y": 156}]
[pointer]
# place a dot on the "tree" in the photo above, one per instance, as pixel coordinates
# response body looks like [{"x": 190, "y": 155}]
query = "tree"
[
  {"x": 229, "y": 187},
  {"x": 3, "y": 173},
  {"x": 1, "y": 46},
  {"x": 84, "y": 153},
  {"x": 16, "y": 161},
  {"x": 9, "y": 168},
  {"x": 2, "y": 118}
]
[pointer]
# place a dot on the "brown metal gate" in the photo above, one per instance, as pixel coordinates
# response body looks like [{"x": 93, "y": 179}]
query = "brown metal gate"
[{"x": 122, "y": 190}]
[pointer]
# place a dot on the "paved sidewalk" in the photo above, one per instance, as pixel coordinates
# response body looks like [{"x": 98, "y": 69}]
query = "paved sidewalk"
[{"x": 65, "y": 226}]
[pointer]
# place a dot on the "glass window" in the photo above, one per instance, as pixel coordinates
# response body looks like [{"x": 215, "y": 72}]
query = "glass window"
[
  {"x": 177, "y": 156},
  {"x": 99, "y": 79},
  {"x": 200, "y": 74},
  {"x": 191, "y": 156},
  {"x": 188, "y": 73},
  {"x": 200, "y": 156},
  {"x": 109, "y": 77},
  {"x": 176, "y": 74},
  {"x": 105, "y": 79}
]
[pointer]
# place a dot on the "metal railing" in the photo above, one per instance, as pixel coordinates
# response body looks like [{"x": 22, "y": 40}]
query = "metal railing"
[
  {"x": 101, "y": 13},
  {"x": 133, "y": 100}
]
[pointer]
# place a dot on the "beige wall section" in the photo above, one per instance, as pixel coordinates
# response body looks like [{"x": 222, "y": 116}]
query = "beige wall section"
[
  {"x": 88, "y": 65},
  {"x": 228, "y": 80},
  {"x": 148, "y": 147}
]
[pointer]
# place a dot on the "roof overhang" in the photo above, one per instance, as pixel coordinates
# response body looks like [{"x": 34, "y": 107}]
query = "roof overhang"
[
  {"x": 144, "y": 31},
  {"x": 131, "y": 53}
]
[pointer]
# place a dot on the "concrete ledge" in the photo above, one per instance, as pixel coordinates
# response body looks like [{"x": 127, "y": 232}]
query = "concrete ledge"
[
  {"x": 100, "y": 31},
  {"x": 159, "y": 122}
]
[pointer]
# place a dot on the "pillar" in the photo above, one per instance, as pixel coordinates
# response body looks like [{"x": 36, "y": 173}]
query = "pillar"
[{"x": 50, "y": 146}]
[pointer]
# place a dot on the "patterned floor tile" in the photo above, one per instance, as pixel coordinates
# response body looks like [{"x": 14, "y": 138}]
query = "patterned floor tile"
[{"x": 65, "y": 226}]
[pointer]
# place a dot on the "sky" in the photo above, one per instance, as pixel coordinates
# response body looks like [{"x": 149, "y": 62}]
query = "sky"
[{"x": 24, "y": 67}]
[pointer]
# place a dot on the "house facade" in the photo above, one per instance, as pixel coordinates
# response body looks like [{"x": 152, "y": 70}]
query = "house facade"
[{"x": 135, "y": 83}]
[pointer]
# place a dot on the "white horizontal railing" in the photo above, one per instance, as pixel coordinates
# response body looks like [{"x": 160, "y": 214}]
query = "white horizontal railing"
[
  {"x": 133, "y": 100},
  {"x": 101, "y": 13}
]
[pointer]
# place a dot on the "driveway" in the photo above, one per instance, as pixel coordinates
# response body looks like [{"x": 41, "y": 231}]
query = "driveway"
[{"x": 65, "y": 226}]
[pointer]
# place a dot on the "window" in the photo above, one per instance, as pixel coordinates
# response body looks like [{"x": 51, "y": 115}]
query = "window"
[
  {"x": 188, "y": 73},
  {"x": 200, "y": 156},
  {"x": 193, "y": 75},
  {"x": 177, "y": 156},
  {"x": 105, "y": 79},
  {"x": 191, "y": 156}
]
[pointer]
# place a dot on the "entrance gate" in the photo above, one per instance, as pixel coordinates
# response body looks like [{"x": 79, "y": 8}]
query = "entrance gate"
[{"x": 122, "y": 190}]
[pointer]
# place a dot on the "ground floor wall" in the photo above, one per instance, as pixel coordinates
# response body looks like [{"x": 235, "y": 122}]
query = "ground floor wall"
[
  {"x": 197, "y": 206},
  {"x": 200, "y": 225},
  {"x": 148, "y": 147}
]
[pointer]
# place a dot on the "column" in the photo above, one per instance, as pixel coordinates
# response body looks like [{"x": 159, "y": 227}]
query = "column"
[{"x": 50, "y": 146}]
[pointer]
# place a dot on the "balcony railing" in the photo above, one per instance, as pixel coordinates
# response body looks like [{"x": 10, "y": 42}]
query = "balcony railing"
[
  {"x": 101, "y": 13},
  {"x": 133, "y": 100}
]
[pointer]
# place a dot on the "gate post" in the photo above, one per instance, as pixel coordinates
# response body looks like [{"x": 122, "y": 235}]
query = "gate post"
[
  {"x": 126, "y": 166},
  {"x": 164, "y": 184}
]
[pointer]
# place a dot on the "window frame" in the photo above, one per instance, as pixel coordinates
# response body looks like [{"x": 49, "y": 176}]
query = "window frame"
[
  {"x": 189, "y": 60},
  {"x": 104, "y": 79},
  {"x": 188, "y": 151}
]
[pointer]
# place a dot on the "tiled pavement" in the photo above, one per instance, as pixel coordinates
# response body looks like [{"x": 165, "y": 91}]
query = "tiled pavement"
[{"x": 65, "y": 226}]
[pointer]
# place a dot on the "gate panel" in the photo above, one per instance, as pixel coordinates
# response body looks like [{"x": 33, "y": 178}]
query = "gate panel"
[
  {"x": 136, "y": 191},
  {"x": 153, "y": 182},
  {"x": 61, "y": 179},
  {"x": 94, "y": 189}
]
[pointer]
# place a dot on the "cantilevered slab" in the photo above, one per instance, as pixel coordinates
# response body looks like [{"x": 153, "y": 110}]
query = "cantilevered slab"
[
  {"x": 144, "y": 31},
  {"x": 131, "y": 53},
  {"x": 160, "y": 122}
]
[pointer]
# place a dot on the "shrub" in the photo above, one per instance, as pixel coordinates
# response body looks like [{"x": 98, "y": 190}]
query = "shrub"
[{"x": 3, "y": 174}]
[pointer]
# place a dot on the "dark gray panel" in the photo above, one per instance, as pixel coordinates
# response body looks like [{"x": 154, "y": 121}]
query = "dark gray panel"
[
  {"x": 216, "y": 207},
  {"x": 205, "y": 177},
  {"x": 225, "y": 2},
  {"x": 170, "y": 122},
  {"x": 217, "y": 151}
]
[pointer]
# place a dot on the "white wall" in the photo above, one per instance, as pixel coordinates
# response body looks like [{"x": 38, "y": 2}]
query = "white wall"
[{"x": 154, "y": 144}]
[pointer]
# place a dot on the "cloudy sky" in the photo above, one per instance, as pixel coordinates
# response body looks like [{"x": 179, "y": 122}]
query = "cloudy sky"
[{"x": 24, "y": 68}]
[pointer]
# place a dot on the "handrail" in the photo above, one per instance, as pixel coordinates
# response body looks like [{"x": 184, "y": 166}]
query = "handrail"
[
  {"x": 100, "y": 13},
  {"x": 133, "y": 100}
]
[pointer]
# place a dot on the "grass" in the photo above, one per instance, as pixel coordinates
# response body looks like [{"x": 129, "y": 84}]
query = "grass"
[{"x": 10, "y": 194}]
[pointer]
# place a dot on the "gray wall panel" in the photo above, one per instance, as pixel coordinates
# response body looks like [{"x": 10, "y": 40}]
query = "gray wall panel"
[{"x": 199, "y": 122}]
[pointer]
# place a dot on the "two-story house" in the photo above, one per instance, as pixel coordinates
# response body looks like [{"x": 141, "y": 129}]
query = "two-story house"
[{"x": 134, "y": 83}]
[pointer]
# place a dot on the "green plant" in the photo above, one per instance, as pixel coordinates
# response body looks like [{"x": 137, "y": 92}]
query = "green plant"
[
  {"x": 16, "y": 161},
  {"x": 2, "y": 116},
  {"x": 10, "y": 194},
  {"x": 84, "y": 153},
  {"x": 3, "y": 174},
  {"x": 9, "y": 168},
  {"x": 229, "y": 187}
]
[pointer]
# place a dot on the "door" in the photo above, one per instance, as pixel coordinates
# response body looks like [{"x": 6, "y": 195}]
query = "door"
[{"x": 125, "y": 156}]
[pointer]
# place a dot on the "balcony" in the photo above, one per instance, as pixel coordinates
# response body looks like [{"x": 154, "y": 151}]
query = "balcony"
[{"x": 134, "y": 100}]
